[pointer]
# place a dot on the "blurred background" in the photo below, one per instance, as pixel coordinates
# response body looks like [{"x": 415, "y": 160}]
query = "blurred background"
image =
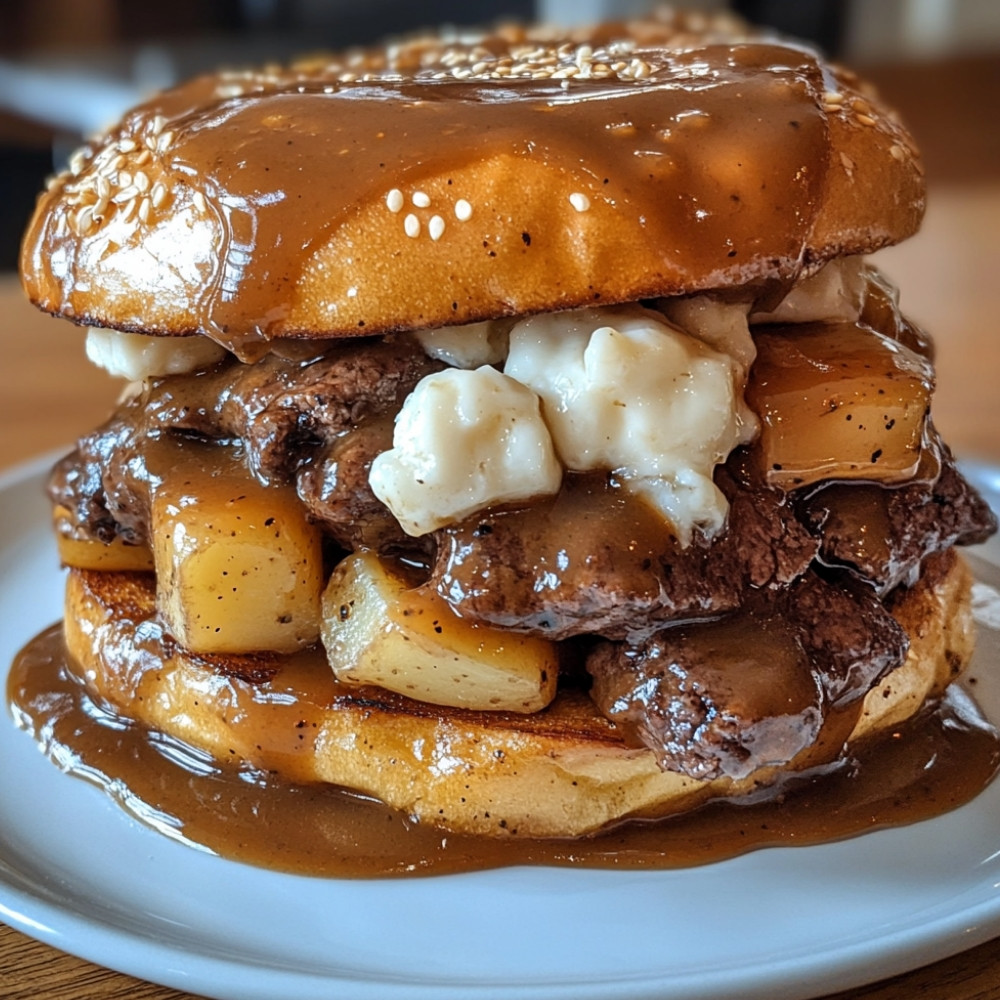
[{"x": 69, "y": 67}]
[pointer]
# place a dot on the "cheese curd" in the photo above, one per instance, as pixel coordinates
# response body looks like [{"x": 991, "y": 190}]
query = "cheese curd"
[
  {"x": 464, "y": 440},
  {"x": 833, "y": 294},
  {"x": 623, "y": 390},
  {"x": 137, "y": 356},
  {"x": 468, "y": 346},
  {"x": 720, "y": 324}
]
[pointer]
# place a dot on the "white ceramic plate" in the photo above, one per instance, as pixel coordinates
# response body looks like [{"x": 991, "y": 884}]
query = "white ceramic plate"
[{"x": 77, "y": 872}]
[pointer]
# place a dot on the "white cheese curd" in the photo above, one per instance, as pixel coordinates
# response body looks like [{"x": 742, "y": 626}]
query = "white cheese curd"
[
  {"x": 470, "y": 346},
  {"x": 137, "y": 356},
  {"x": 623, "y": 390},
  {"x": 833, "y": 294},
  {"x": 722, "y": 325},
  {"x": 464, "y": 440}
]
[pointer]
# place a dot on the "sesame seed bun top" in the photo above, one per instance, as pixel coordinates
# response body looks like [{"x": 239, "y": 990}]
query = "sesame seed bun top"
[{"x": 445, "y": 180}]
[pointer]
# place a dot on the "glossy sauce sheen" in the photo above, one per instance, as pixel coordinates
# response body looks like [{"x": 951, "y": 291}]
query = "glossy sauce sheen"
[
  {"x": 755, "y": 180},
  {"x": 927, "y": 767}
]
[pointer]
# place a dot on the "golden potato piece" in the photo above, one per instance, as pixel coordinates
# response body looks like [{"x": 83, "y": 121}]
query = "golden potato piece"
[
  {"x": 837, "y": 401},
  {"x": 377, "y": 631},
  {"x": 239, "y": 568},
  {"x": 91, "y": 553}
]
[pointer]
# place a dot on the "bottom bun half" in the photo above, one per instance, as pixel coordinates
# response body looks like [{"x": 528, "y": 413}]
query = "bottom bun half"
[{"x": 561, "y": 772}]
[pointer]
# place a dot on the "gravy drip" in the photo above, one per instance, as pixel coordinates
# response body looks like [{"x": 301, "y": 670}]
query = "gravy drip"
[{"x": 929, "y": 766}]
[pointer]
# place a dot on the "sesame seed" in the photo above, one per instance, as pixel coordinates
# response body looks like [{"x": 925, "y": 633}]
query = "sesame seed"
[
  {"x": 127, "y": 193},
  {"x": 421, "y": 199},
  {"x": 156, "y": 125},
  {"x": 411, "y": 226},
  {"x": 833, "y": 97},
  {"x": 435, "y": 227},
  {"x": 463, "y": 210},
  {"x": 141, "y": 181},
  {"x": 897, "y": 152},
  {"x": 78, "y": 161},
  {"x": 144, "y": 210},
  {"x": 394, "y": 200},
  {"x": 84, "y": 220},
  {"x": 124, "y": 178},
  {"x": 129, "y": 210},
  {"x": 158, "y": 195},
  {"x": 579, "y": 201},
  {"x": 199, "y": 201},
  {"x": 865, "y": 120},
  {"x": 164, "y": 141},
  {"x": 111, "y": 167}
]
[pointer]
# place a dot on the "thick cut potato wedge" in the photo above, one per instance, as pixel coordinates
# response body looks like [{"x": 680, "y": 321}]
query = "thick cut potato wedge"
[
  {"x": 837, "y": 401},
  {"x": 377, "y": 631},
  {"x": 239, "y": 568}
]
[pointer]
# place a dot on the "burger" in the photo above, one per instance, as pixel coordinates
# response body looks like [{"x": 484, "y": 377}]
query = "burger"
[{"x": 517, "y": 430}]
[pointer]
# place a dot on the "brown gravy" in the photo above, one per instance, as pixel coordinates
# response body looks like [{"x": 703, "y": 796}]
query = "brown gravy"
[
  {"x": 739, "y": 128},
  {"x": 926, "y": 767}
]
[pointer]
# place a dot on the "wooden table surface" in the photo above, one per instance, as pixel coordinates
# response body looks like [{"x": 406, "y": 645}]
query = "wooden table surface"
[{"x": 950, "y": 282}]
